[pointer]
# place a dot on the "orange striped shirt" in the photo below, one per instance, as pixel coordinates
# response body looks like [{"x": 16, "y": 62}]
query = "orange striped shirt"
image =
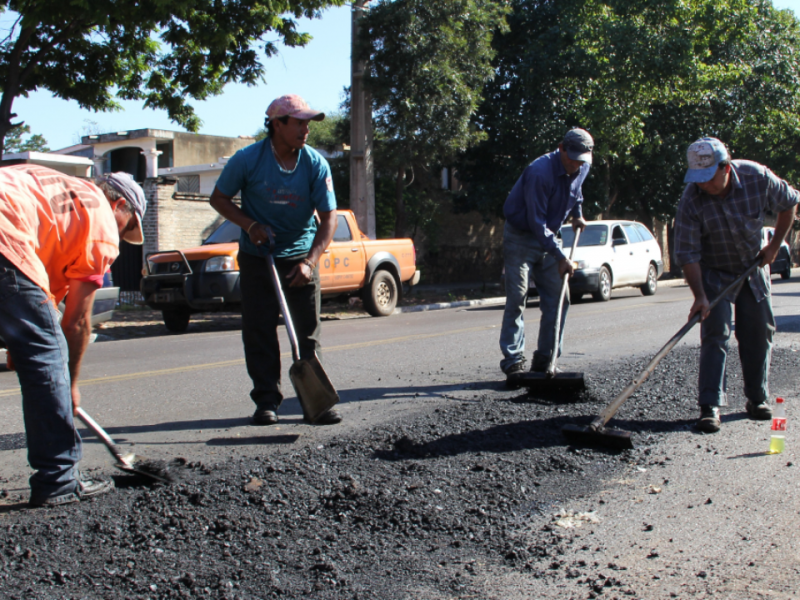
[{"x": 55, "y": 228}]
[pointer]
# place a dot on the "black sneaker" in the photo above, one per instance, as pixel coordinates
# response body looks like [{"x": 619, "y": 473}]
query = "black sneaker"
[
  {"x": 758, "y": 412},
  {"x": 87, "y": 488},
  {"x": 266, "y": 414},
  {"x": 709, "y": 421},
  {"x": 513, "y": 372},
  {"x": 329, "y": 417}
]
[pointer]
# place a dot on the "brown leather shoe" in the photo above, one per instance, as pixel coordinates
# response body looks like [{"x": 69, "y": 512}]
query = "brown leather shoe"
[{"x": 709, "y": 421}]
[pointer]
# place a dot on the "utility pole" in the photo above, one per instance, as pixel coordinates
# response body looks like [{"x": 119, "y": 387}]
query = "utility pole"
[{"x": 362, "y": 174}]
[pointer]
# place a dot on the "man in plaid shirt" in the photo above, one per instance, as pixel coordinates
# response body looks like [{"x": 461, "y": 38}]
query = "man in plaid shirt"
[{"x": 718, "y": 235}]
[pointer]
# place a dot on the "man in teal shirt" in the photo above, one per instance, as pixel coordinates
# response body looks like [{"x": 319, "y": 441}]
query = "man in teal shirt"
[{"x": 282, "y": 183}]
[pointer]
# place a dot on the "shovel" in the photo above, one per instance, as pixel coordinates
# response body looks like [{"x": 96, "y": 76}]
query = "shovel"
[
  {"x": 550, "y": 379},
  {"x": 596, "y": 433},
  {"x": 311, "y": 383},
  {"x": 129, "y": 462}
]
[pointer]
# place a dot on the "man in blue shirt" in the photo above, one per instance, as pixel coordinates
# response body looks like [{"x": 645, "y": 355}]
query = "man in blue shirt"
[
  {"x": 282, "y": 183},
  {"x": 718, "y": 235},
  {"x": 547, "y": 192}
]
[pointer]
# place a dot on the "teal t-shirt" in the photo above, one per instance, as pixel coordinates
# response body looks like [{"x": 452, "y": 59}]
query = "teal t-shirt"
[{"x": 284, "y": 201}]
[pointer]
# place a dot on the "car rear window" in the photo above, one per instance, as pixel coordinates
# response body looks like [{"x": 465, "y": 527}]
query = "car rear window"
[{"x": 593, "y": 235}]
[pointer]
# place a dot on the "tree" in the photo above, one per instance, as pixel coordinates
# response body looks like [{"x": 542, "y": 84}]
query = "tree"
[
  {"x": 14, "y": 143},
  {"x": 427, "y": 63},
  {"x": 161, "y": 51},
  {"x": 646, "y": 78}
]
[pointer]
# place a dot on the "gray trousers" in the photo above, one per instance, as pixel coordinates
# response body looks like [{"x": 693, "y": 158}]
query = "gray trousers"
[{"x": 755, "y": 329}]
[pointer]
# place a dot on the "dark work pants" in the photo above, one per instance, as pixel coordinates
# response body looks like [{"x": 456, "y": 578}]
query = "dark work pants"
[
  {"x": 755, "y": 329},
  {"x": 260, "y": 317}
]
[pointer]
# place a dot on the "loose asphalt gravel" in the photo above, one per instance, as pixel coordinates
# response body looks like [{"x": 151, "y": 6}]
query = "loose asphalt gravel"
[{"x": 462, "y": 499}]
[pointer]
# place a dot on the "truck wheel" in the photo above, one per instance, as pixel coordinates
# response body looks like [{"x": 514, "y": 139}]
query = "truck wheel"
[
  {"x": 380, "y": 297},
  {"x": 176, "y": 319}
]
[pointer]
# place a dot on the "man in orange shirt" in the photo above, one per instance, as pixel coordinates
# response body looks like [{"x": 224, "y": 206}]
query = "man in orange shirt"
[{"x": 58, "y": 234}]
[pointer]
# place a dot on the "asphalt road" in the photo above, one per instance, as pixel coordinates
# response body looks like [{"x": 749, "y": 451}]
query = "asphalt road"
[
  {"x": 694, "y": 517},
  {"x": 188, "y": 395}
]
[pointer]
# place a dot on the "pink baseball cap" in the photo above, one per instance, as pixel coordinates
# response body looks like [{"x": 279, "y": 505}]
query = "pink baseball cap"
[{"x": 292, "y": 105}]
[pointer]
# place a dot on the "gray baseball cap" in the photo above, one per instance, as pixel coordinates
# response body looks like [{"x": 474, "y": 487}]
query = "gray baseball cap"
[
  {"x": 578, "y": 145},
  {"x": 704, "y": 157},
  {"x": 133, "y": 194}
]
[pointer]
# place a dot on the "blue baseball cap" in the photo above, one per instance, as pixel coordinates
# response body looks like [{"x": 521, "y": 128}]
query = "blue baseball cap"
[{"x": 704, "y": 157}]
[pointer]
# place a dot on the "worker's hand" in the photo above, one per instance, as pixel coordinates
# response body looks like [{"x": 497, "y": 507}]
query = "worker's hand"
[
  {"x": 10, "y": 362},
  {"x": 259, "y": 235},
  {"x": 565, "y": 266},
  {"x": 768, "y": 254},
  {"x": 300, "y": 275},
  {"x": 701, "y": 307},
  {"x": 76, "y": 397},
  {"x": 579, "y": 223}
]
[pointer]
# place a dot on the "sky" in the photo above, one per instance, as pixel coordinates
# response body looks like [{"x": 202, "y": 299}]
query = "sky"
[{"x": 319, "y": 72}]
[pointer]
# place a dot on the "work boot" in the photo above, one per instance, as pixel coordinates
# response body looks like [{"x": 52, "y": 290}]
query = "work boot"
[
  {"x": 512, "y": 374},
  {"x": 758, "y": 412},
  {"x": 266, "y": 414},
  {"x": 709, "y": 421},
  {"x": 329, "y": 417},
  {"x": 87, "y": 488}
]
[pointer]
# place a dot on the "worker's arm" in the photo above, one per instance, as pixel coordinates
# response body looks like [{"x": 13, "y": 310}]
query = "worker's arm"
[
  {"x": 782, "y": 225},
  {"x": 77, "y": 327},
  {"x": 694, "y": 277},
  {"x": 301, "y": 273}
]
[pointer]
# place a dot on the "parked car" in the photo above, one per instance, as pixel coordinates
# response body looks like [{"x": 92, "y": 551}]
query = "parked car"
[
  {"x": 613, "y": 254},
  {"x": 206, "y": 278},
  {"x": 783, "y": 262}
]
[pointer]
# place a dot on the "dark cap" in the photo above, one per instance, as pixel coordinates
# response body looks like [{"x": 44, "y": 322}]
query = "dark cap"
[{"x": 578, "y": 145}]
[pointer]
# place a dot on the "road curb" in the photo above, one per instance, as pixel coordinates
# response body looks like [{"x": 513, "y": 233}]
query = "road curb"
[{"x": 493, "y": 301}]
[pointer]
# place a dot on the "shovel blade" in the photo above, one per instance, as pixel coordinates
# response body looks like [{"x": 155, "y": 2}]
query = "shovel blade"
[{"x": 313, "y": 387}]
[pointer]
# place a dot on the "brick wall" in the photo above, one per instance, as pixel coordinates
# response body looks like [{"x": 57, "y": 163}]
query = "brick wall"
[{"x": 174, "y": 220}]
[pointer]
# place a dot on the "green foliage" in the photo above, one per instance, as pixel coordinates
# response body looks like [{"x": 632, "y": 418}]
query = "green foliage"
[
  {"x": 646, "y": 78},
  {"x": 14, "y": 143},
  {"x": 163, "y": 52},
  {"x": 427, "y": 64}
]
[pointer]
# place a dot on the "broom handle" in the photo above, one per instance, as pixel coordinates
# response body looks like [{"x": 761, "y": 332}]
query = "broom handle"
[
  {"x": 612, "y": 408},
  {"x": 551, "y": 368}
]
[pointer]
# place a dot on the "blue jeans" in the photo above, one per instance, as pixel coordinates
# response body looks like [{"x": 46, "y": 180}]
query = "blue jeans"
[
  {"x": 524, "y": 257},
  {"x": 29, "y": 326},
  {"x": 755, "y": 329}
]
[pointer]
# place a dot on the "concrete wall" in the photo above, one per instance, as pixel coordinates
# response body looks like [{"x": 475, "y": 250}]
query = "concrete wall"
[
  {"x": 176, "y": 221},
  {"x": 191, "y": 149}
]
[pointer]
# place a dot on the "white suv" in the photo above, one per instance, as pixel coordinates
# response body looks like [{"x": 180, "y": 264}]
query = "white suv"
[{"x": 612, "y": 254}]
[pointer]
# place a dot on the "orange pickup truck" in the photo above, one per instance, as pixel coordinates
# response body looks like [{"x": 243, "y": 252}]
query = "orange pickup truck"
[{"x": 206, "y": 278}]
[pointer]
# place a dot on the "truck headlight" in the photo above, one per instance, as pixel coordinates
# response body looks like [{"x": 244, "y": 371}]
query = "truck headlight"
[
  {"x": 219, "y": 263},
  {"x": 580, "y": 264}
]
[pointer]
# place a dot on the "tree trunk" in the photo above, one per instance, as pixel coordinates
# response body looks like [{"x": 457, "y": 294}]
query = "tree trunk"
[
  {"x": 660, "y": 232},
  {"x": 400, "y": 207}
]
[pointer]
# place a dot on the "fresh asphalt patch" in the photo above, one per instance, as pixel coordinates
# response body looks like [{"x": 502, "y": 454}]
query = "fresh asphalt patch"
[{"x": 475, "y": 497}]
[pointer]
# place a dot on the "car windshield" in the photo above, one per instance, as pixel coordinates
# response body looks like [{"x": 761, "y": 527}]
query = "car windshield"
[
  {"x": 225, "y": 233},
  {"x": 593, "y": 235}
]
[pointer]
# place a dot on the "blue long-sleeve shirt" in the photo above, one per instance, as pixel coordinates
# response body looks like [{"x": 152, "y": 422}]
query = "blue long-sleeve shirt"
[{"x": 543, "y": 197}]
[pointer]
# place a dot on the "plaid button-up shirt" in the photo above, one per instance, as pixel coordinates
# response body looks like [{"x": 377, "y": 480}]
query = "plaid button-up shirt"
[{"x": 724, "y": 235}]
